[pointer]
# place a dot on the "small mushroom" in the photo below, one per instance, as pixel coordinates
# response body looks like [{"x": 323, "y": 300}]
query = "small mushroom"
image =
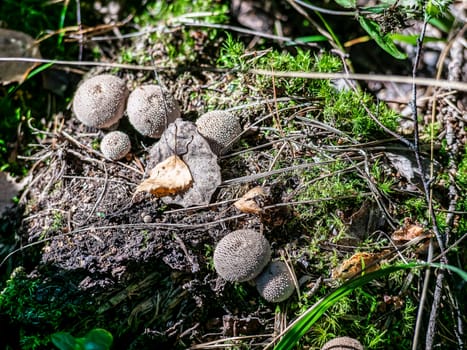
[
  {"x": 100, "y": 101},
  {"x": 115, "y": 145},
  {"x": 150, "y": 109},
  {"x": 275, "y": 283},
  {"x": 241, "y": 255},
  {"x": 343, "y": 343},
  {"x": 220, "y": 128}
]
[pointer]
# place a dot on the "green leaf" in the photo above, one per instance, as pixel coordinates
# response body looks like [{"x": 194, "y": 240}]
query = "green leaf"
[
  {"x": 65, "y": 341},
  {"x": 412, "y": 38},
  {"x": 443, "y": 23},
  {"x": 384, "y": 41},
  {"x": 347, "y": 3},
  {"x": 97, "y": 339},
  {"x": 376, "y": 9},
  {"x": 311, "y": 38}
]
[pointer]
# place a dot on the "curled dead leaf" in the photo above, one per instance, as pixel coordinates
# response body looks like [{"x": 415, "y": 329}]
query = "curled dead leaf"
[
  {"x": 253, "y": 201},
  {"x": 182, "y": 138},
  {"x": 414, "y": 235},
  {"x": 407, "y": 233},
  {"x": 356, "y": 264},
  {"x": 168, "y": 178}
]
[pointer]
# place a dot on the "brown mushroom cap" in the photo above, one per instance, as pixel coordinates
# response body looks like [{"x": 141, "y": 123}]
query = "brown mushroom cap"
[
  {"x": 115, "y": 145},
  {"x": 100, "y": 101},
  {"x": 150, "y": 109},
  {"x": 275, "y": 283},
  {"x": 241, "y": 255},
  {"x": 220, "y": 128},
  {"x": 343, "y": 343}
]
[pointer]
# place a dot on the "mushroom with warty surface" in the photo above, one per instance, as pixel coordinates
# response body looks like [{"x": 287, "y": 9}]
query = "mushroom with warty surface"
[
  {"x": 151, "y": 109},
  {"x": 115, "y": 145},
  {"x": 343, "y": 343},
  {"x": 100, "y": 101},
  {"x": 241, "y": 255},
  {"x": 220, "y": 128},
  {"x": 275, "y": 283}
]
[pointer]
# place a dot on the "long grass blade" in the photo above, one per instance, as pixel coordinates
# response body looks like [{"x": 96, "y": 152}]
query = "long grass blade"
[{"x": 299, "y": 328}]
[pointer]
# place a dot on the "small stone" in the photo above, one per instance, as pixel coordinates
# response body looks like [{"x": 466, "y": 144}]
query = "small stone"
[{"x": 147, "y": 219}]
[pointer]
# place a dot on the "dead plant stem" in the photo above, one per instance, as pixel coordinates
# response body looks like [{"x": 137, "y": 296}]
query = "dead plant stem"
[{"x": 426, "y": 190}]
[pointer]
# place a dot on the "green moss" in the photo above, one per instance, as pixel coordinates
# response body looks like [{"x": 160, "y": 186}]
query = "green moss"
[
  {"x": 179, "y": 45},
  {"x": 37, "y": 308}
]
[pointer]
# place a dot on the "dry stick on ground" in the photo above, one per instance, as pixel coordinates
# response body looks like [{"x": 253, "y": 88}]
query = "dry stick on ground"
[
  {"x": 452, "y": 116},
  {"x": 440, "y": 239},
  {"x": 457, "y": 85}
]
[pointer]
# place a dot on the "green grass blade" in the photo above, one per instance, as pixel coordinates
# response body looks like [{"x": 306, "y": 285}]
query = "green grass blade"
[
  {"x": 299, "y": 328},
  {"x": 330, "y": 31},
  {"x": 62, "y": 22},
  {"x": 384, "y": 41},
  {"x": 39, "y": 69}
]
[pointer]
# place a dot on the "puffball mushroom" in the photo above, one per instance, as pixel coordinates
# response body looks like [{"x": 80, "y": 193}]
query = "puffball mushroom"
[
  {"x": 220, "y": 128},
  {"x": 343, "y": 343},
  {"x": 241, "y": 255},
  {"x": 275, "y": 283},
  {"x": 115, "y": 145},
  {"x": 150, "y": 109},
  {"x": 100, "y": 101}
]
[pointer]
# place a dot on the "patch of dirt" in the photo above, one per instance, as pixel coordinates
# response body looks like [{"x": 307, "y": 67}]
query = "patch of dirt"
[{"x": 137, "y": 261}]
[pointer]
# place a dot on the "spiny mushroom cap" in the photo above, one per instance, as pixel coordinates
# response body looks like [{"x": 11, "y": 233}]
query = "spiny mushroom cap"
[
  {"x": 100, "y": 101},
  {"x": 275, "y": 284},
  {"x": 150, "y": 109},
  {"x": 241, "y": 255},
  {"x": 343, "y": 343},
  {"x": 220, "y": 128},
  {"x": 115, "y": 145}
]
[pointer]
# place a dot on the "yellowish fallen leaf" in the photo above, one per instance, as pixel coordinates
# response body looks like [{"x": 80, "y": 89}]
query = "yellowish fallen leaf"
[
  {"x": 252, "y": 202},
  {"x": 355, "y": 264},
  {"x": 407, "y": 233},
  {"x": 168, "y": 178}
]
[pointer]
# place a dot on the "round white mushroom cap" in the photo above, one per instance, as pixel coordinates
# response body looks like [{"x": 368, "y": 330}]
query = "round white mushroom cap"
[
  {"x": 115, "y": 145},
  {"x": 150, "y": 109},
  {"x": 220, "y": 128},
  {"x": 241, "y": 255},
  {"x": 275, "y": 283},
  {"x": 100, "y": 101},
  {"x": 343, "y": 343}
]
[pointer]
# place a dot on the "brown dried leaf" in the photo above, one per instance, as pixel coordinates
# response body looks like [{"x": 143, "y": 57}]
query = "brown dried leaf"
[
  {"x": 168, "y": 178},
  {"x": 407, "y": 233},
  {"x": 355, "y": 264},
  {"x": 395, "y": 300},
  {"x": 253, "y": 201},
  {"x": 182, "y": 138}
]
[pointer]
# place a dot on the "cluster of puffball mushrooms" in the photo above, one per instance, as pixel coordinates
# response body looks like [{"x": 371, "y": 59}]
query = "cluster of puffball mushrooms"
[
  {"x": 101, "y": 102},
  {"x": 244, "y": 255}
]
